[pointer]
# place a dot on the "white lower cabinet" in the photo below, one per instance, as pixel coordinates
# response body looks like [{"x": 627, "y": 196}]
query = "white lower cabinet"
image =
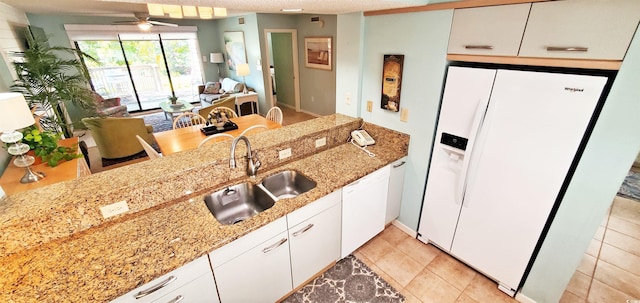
[
  {"x": 314, "y": 242},
  {"x": 256, "y": 267},
  {"x": 364, "y": 205},
  {"x": 193, "y": 280},
  {"x": 396, "y": 183}
]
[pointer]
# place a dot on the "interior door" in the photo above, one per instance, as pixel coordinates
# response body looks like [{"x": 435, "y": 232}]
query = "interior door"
[
  {"x": 281, "y": 44},
  {"x": 533, "y": 127}
]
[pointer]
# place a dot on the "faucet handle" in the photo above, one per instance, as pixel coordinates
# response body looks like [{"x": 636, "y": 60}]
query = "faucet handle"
[{"x": 257, "y": 163}]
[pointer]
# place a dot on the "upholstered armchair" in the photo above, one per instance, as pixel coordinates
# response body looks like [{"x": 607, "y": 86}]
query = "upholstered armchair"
[
  {"x": 116, "y": 137},
  {"x": 229, "y": 102},
  {"x": 110, "y": 107}
]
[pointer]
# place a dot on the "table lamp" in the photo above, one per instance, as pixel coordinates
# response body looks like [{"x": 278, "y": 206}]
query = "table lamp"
[
  {"x": 216, "y": 58},
  {"x": 15, "y": 115},
  {"x": 243, "y": 70}
]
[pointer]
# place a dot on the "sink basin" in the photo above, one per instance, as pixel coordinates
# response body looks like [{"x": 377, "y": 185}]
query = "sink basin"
[
  {"x": 238, "y": 202},
  {"x": 288, "y": 184}
]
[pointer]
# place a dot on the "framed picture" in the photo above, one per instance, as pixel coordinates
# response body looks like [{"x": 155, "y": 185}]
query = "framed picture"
[
  {"x": 318, "y": 52},
  {"x": 235, "y": 49},
  {"x": 391, "y": 82}
]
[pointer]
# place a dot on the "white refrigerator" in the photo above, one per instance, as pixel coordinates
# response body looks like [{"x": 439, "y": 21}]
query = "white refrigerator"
[{"x": 504, "y": 146}]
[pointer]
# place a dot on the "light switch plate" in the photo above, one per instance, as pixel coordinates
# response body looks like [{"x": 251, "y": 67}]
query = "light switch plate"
[
  {"x": 114, "y": 209},
  {"x": 404, "y": 114},
  {"x": 321, "y": 142},
  {"x": 369, "y": 105},
  {"x": 285, "y": 153}
]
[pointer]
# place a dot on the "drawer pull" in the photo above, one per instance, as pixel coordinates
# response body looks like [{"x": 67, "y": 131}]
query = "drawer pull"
[
  {"x": 274, "y": 246},
  {"x": 177, "y": 299},
  {"x": 566, "y": 49},
  {"x": 302, "y": 231},
  {"x": 399, "y": 164},
  {"x": 487, "y": 47},
  {"x": 156, "y": 287}
]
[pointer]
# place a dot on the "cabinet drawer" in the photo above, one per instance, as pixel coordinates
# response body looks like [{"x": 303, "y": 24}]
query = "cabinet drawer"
[
  {"x": 594, "y": 29},
  {"x": 314, "y": 208},
  {"x": 491, "y": 30},
  {"x": 171, "y": 281},
  {"x": 224, "y": 254},
  {"x": 200, "y": 290}
]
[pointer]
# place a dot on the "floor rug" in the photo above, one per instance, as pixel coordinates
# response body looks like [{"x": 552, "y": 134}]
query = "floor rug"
[
  {"x": 631, "y": 186},
  {"x": 158, "y": 121},
  {"x": 350, "y": 280}
]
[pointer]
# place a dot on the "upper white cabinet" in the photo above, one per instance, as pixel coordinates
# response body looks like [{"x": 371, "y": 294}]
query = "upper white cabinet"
[
  {"x": 586, "y": 29},
  {"x": 568, "y": 29},
  {"x": 491, "y": 30}
]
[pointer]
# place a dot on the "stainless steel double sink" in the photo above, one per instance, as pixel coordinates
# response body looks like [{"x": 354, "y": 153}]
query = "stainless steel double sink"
[{"x": 242, "y": 201}]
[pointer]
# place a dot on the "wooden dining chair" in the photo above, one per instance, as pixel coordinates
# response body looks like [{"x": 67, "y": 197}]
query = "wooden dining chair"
[
  {"x": 152, "y": 153},
  {"x": 188, "y": 119},
  {"x": 275, "y": 115},
  {"x": 215, "y": 138},
  {"x": 228, "y": 111},
  {"x": 252, "y": 129}
]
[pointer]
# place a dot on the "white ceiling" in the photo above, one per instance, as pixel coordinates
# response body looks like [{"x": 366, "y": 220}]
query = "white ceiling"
[{"x": 121, "y": 8}]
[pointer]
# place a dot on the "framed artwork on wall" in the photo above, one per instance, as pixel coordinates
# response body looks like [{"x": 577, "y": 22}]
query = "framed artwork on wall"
[
  {"x": 391, "y": 82},
  {"x": 235, "y": 49},
  {"x": 318, "y": 52}
]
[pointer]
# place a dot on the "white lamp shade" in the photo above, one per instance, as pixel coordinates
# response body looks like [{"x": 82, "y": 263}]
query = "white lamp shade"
[
  {"x": 14, "y": 112},
  {"x": 243, "y": 69},
  {"x": 216, "y": 58}
]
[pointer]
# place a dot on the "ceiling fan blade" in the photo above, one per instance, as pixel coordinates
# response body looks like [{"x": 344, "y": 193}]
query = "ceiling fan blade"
[{"x": 162, "y": 23}]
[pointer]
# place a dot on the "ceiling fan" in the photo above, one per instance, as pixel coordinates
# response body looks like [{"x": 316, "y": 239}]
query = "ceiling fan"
[{"x": 144, "y": 23}]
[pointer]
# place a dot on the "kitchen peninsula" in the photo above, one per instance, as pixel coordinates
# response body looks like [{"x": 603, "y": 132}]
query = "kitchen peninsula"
[{"x": 57, "y": 247}]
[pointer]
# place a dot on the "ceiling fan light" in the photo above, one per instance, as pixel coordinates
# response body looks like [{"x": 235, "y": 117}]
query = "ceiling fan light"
[
  {"x": 155, "y": 9},
  {"x": 145, "y": 26},
  {"x": 189, "y": 11},
  {"x": 205, "y": 12},
  {"x": 220, "y": 11}
]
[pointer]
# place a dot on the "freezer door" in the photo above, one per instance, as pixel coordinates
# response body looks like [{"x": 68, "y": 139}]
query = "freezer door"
[
  {"x": 533, "y": 127},
  {"x": 464, "y": 102}
]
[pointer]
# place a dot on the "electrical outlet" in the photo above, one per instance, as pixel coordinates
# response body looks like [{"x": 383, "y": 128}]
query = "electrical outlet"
[
  {"x": 369, "y": 105},
  {"x": 114, "y": 209},
  {"x": 404, "y": 114},
  {"x": 321, "y": 142},
  {"x": 204, "y": 59},
  {"x": 285, "y": 153},
  {"x": 348, "y": 99}
]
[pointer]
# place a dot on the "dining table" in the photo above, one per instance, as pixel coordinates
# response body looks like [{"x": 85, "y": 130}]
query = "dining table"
[{"x": 186, "y": 138}]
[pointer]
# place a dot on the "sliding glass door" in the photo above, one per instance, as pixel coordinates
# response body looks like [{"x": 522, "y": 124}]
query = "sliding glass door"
[{"x": 145, "y": 69}]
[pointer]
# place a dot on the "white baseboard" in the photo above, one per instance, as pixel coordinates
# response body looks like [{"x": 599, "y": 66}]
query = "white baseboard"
[
  {"x": 294, "y": 108},
  {"x": 524, "y": 299},
  {"x": 404, "y": 228}
]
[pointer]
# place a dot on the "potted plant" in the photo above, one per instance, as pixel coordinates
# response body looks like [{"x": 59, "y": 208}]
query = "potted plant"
[
  {"x": 173, "y": 99},
  {"x": 50, "y": 78},
  {"x": 45, "y": 145}
]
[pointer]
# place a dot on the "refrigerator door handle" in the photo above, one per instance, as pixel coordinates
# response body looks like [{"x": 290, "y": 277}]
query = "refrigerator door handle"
[{"x": 478, "y": 120}]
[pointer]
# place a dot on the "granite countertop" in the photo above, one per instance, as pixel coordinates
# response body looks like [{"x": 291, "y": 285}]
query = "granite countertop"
[{"x": 109, "y": 258}]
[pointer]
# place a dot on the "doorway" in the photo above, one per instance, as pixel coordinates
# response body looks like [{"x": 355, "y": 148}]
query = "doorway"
[{"x": 283, "y": 86}]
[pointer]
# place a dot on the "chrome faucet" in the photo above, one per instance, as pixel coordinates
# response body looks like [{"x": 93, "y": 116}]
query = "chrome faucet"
[{"x": 252, "y": 166}]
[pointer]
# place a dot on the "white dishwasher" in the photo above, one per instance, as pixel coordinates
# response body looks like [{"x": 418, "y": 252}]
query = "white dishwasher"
[{"x": 364, "y": 204}]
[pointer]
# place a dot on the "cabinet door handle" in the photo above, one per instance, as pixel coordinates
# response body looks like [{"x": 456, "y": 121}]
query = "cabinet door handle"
[
  {"x": 144, "y": 293},
  {"x": 487, "y": 47},
  {"x": 302, "y": 231},
  {"x": 566, "y": 49},
  {"x": 399, "y": 164},
  {"x": 274, "y": 246},
  {"x": 177, "y": 299}
]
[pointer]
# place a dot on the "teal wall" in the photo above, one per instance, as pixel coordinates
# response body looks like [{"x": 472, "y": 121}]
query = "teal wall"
[{"x": 422, "y": 38}]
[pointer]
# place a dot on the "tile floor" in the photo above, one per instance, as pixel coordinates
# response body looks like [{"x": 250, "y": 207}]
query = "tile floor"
[
  {"x": 423, "y": 273},
  {"x": 610, "y": 268}
]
